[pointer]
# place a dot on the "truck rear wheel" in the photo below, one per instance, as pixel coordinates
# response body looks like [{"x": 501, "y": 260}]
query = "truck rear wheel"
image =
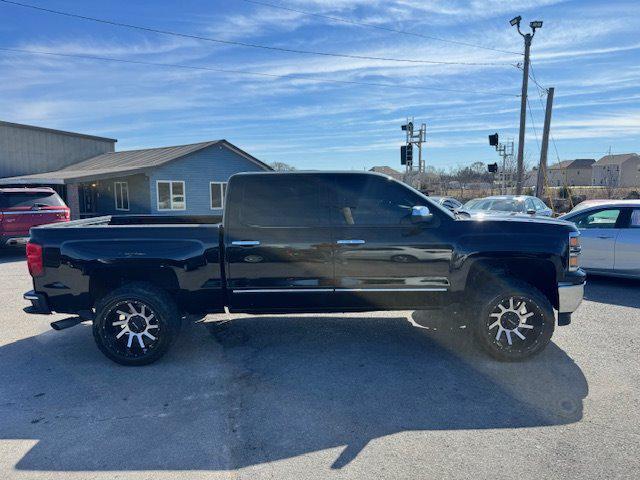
[
  {"x": 516, "y": 321},
  {"x": 136, "y": 324}
]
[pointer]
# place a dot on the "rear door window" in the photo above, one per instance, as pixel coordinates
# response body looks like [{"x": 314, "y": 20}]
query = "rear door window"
[
  {"x": 283, "y": 201},
  {"x": 30, "y": 199}
]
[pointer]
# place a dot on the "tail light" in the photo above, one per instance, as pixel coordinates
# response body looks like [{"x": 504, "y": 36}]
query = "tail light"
[
  {"x": 67, "y": 214},
  {"x": 34, "y": 259},
  {"x": 574, "y": 251}
]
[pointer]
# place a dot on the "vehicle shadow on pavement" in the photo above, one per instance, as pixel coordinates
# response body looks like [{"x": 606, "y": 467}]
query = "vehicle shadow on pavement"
[
  {"x": 11, "y": 255},
  {"x": 625, "y": 292},
  {"x": 260, "y": 389}
]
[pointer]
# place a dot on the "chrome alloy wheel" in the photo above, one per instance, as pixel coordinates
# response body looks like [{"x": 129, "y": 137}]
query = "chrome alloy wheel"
[
  {"x": 514, "y": 320},
  {"x": 133, "y": 324}
]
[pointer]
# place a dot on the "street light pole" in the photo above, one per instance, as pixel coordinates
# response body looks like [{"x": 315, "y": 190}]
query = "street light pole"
[{"x": 528, "y": 37}]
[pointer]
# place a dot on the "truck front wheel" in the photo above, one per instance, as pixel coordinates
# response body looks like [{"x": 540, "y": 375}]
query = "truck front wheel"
[
  {"x": 516, "y": 320},
  {"x": 136, "y": 324}
]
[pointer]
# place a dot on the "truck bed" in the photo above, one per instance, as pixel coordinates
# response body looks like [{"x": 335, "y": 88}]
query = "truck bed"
[{"x": 84, "y": 258}]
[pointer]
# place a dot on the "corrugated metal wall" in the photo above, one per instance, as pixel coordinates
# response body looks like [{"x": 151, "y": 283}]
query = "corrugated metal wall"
[{"x": 24, "y": 151}]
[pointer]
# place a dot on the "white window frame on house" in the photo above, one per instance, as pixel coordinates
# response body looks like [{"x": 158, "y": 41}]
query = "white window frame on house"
[
  {"x": 223, "y": 190},
  {"x": 171, "y": 196},
  {"x": 119, "y": 194}
]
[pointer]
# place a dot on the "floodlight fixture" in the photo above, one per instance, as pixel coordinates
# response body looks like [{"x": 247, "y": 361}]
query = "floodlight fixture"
[
  {"x": 536, "y": 24},
  {"x": 515, "y": 21}
]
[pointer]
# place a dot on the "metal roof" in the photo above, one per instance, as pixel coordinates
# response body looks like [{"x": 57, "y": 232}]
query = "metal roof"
[
  {"x": 126, "y": 162},
  {"x": 577, "y": 163},
  {"x": 59, "y": 132}
]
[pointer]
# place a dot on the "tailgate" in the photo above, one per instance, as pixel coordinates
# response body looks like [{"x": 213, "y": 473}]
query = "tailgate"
[{"x": 17, "y": 221}]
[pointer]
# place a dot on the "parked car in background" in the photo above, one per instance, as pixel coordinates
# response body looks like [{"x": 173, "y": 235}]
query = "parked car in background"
[
  {"x": 471, "y": 203},
  {"x": 596, "y": 202},
  {"x": 448, "y": 202},
  {"x": 610, "y": 234},
  {"x": 510, "y": 204},
  {"x": 23, "y": 208}
]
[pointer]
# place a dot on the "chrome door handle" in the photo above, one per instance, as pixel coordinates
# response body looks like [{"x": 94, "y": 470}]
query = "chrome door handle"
[
  {"x": 350, "y": 242},
  {"x": 245, "y": 243},
  {"x": 605, "y": 236}
]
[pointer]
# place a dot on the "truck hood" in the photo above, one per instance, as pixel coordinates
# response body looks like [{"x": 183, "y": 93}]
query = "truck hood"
[{"x": 494, "y": 216}]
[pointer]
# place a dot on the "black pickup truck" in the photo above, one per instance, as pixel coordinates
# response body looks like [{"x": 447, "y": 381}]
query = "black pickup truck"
[{"x": 308, "y": 242}]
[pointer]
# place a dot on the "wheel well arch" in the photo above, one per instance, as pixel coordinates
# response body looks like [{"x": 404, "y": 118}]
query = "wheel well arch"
[
  {"x": 537, "y": 272},
  {"x": 105, "y": 280}
]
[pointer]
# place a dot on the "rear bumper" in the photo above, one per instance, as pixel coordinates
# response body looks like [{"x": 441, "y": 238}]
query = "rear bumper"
[
  {"x": 570, "y": 296},
  {"x": 11, "y": 241},
  {"x": 39, "y": 304}
]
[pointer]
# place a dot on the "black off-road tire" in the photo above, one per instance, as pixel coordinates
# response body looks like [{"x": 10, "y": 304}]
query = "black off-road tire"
[
  {"x": 537, "y": 328},
  {"x": 163, "y": 324}
]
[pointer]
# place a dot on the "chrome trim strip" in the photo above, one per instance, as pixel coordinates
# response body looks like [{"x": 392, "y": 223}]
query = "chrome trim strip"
[
  {"x": 245, "y": 243},
  {"x": 284, "y": 290},
  {"x": 31, "y": 212},
  {"x": 425, "y": 289},
  {"x": 325, "y": 290}
]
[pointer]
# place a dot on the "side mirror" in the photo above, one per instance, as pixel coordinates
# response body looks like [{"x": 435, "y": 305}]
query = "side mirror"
[
  {"x": 531, "y": 211},
  {"x": 421, "y": 214}
]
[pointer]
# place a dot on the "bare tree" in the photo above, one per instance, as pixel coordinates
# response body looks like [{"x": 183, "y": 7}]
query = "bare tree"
[{"x": 282, "y": 167}]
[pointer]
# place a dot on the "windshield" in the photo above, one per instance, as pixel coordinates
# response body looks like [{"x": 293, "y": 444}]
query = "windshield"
[
  {"x": 501, "y": 205},
  {"x": 30, "y": 199},
  {"x": 471, "y": 203}
]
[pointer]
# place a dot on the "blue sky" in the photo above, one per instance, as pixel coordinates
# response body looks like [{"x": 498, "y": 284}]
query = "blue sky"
[{"x": 588, "y": 50}]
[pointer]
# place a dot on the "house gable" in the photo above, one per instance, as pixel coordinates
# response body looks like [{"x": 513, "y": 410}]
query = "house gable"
[{"x": 197, "y": 170}]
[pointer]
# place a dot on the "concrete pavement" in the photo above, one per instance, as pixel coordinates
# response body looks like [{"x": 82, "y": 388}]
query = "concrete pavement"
[{"x": 382, "y": 395}]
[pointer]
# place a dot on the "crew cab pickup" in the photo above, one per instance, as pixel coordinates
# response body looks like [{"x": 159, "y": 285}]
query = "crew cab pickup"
[{"x": 308, "y": 242}]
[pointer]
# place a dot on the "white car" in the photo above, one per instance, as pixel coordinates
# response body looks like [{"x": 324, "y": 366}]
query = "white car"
[{"x": 610, "y": 236}]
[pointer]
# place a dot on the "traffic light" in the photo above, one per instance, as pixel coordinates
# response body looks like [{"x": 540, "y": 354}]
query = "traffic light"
[
  {"x": 492, "y": 167},
  {"x": 493, "y": 140},
  {"x": 408, "y": 126},
  {"x": 406, "y": 154}
]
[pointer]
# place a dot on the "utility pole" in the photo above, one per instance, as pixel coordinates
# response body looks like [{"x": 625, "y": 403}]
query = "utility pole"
[
  {"x": 542, "y": 169},
  {"x": 528, "y": 37}
]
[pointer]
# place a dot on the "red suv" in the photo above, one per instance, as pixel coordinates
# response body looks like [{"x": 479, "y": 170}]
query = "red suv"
[{"x": 23, "y": 208}]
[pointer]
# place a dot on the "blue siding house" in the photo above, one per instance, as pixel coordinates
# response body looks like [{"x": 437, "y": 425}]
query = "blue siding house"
[{"x": 179, "y": 180}]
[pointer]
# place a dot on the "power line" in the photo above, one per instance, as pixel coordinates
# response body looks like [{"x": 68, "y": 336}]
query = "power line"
[
  {"x": 244, "y": 44},
  {"x": 378, "y": 27},
  {"x": 246, "y": 72}
]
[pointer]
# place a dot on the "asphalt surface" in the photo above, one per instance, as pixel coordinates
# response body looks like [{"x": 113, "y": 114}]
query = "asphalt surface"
[{"x": 384, "y": 395}]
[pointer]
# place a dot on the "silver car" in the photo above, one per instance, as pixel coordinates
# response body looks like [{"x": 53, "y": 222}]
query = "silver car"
[
  {"x": 610, "y": 237},
  {"x": 514, "y": 204},
  {"x": 449, "y": 202}
]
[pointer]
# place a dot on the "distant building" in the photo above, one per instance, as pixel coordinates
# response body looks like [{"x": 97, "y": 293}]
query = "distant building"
[
  {"x": 570, "y": 173},
  {"x": 184, "y": 179},
  {"x": 622, "y": 170},
  {"x": 26, "y": 149},
  {"x": 388, "y": 171}
]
